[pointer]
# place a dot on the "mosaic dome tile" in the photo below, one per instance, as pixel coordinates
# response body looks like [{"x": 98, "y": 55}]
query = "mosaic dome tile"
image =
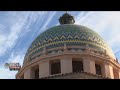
[{"x": 71, "y": 34}]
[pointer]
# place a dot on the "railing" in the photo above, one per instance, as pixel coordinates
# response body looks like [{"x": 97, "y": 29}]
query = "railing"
[
  {"x": 61, "y": 75},
  {"x": 59, "y": 51}
]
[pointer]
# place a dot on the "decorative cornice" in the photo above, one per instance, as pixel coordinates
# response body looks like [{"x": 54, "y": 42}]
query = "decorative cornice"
[{"x": 58, "y": 75}]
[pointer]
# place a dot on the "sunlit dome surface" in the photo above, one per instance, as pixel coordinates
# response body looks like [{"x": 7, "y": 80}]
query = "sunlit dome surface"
[{"x": 71, "y": 35}]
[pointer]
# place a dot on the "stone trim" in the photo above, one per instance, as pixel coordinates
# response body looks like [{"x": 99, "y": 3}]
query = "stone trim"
[{"x": 58, "y": 75}]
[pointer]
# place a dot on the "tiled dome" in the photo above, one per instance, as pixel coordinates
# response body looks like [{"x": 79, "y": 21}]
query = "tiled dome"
[{"x": 71, "y": 35}]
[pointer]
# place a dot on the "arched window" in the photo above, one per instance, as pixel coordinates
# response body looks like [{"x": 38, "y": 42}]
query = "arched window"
[
  {"x": 77, "y": 65},
  {"x": 115, "y": 73},
  {"x": 98, "y": 69},
  {"x": 22, "y": 77},
  {"x": 55, "y": 67},
  {"x": 35, "y": 72}
]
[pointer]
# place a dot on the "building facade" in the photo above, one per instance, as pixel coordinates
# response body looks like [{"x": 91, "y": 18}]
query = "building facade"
[{"x": 69, "y": 51}]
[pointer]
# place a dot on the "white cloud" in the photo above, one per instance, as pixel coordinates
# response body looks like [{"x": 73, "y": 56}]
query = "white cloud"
[
  {"x": 107, "y": 24},
  {"x": 44, "y": 24},
  {"x": 94, "y": 20},
  {"x": 51, "y": 15},
  {"x": 6, "y": 74},
  {"x": 16, "y": 57},
  {"x": 8, "y": 41},
  {"x": 16, "y": 23}
]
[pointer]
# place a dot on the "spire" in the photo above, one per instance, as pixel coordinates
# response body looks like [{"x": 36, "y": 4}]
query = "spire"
[{"x": 66, "y": 19}]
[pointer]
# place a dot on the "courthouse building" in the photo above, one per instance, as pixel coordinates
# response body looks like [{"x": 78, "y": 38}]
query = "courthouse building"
[{"x": 69, "y": 51}]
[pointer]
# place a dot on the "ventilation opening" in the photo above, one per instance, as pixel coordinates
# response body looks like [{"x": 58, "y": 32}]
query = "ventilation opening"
[
  {"x": 55, "y": 67},
  {"x": 77, "y": 66},
  {"x": 98, "y": 69},
  {"x": 116, "y": 73},
  {"x": 35, "y": 72},
  {"x": 22, "y": 77}
]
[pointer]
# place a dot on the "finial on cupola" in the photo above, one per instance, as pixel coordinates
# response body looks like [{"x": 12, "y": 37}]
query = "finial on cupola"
[{"x": 66, "y": 19}]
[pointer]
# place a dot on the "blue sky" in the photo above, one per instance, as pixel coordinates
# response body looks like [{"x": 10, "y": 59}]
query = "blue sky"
[{"x": 19, "y": 28}]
